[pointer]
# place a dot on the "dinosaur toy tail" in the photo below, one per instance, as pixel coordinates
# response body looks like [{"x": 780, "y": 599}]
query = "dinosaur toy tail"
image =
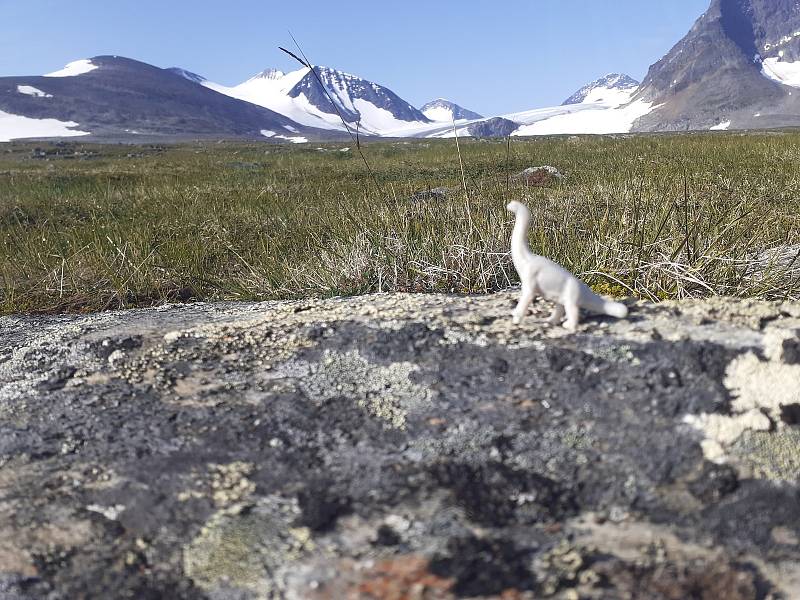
[{"x": 615, "y": 309}]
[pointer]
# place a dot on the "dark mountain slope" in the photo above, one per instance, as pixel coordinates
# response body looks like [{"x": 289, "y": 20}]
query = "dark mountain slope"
[
  {"x": 715, "y": 72},
  {"x": 124, "y": 95}
]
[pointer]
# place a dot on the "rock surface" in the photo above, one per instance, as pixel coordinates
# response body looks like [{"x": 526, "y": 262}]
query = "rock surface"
[
  {"x": 538, "y": 176},
  {"x": 491, "y": 128},
  {"x": 399, "y": 446}
]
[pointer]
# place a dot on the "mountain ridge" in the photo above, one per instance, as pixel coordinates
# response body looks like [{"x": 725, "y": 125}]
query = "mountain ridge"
[{"x": 113, "y": 97}]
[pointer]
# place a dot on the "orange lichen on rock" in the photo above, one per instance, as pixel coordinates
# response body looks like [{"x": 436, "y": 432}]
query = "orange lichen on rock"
[{"x": 404, "y": 578}]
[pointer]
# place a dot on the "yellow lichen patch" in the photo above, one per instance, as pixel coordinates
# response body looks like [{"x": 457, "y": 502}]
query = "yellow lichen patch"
[
  {"x": 229, "y": 483},
  {"x": 250, "y": 550},
  {"x": 773, "y": 456},
  {"x": 226, "y": 484},
  {"x": 564, "y": 564},
  {"x": 226, "y": 552}
]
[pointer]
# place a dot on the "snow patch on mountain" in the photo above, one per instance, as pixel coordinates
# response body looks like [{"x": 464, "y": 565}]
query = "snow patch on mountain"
[
  {"x": 782, "y": 42},
  {"x": 441, "y": 110},
  {"x": 15, "y": 127},
  {"x": 596, "y": 118},
  {"x": 294, "y": 139},
  {"x": 380, "y": 120},
  {"x": 592, "y": 120},
  {"x": 78, "y": 67},
  {"x": 194, "y": 77},
  {"x": 614, "y": 89},
  {"x": 723, "y": 126},
  {"x": 602, "y": 107},
  {"x": 609, "y": 96},
  {"x": 29, "y": 90},
  {"x": 787, "y": 73},
  {"x": 438, "y": 113}
]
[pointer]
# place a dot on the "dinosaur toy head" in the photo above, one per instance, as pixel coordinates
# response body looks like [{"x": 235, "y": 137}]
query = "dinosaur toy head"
[{"x": 518, "y": 208}]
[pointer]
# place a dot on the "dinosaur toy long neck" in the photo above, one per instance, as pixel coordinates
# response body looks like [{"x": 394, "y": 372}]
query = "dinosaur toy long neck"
[{"x": 519, "y": 238}]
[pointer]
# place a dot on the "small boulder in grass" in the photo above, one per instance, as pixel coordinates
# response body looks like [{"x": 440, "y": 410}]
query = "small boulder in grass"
[
  {"x": 538, "y": 176},
  {"x": 438, "y": 193}
]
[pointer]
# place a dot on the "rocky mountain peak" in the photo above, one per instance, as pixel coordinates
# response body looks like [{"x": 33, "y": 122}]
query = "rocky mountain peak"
[
  {"x": 612, "y": 81},
  {"x": 442, "y": 109},
  {"x": 348, "y": 91},
  {"x": 273, "y": 74}
]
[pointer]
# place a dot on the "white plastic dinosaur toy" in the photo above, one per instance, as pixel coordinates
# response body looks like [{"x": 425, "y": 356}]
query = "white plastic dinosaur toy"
[{"x": 541, "y": 276}]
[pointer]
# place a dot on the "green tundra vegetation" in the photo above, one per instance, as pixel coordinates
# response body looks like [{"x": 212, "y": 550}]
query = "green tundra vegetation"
[{"x": 87, "y": 227}]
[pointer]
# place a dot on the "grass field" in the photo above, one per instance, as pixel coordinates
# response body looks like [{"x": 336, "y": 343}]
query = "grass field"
[{"x": 89, "y": 227}]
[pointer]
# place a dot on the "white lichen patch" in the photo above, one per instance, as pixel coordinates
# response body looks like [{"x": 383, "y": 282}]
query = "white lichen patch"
[
  {"x": 386, "y": 392},
  {"x": 764, "y": 385},
  {"x": 760, "y": 388},
  {"x": 618, "y": 354},
  {"x": 721, "y": 430},
  {"x": 467, "y": 440},
  {"x": 47, "y": 346}
]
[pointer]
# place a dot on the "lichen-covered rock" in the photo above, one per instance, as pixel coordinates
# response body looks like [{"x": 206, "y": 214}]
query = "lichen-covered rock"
[
  {"x": 400, "y": 446},
  {"x": 538, "y": 176}
]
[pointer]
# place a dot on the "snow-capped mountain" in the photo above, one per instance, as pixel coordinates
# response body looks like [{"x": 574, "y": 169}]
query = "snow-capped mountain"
[
  {"x": 614, "y": 88},
  {"x": 375, "y": 106},
  {"x": 114, "y": 97},
  {"x": 596, "y": 118},
  {"x": 603, "y": 106},
  {"x": 445, "y": 111},
  {"x": 300, "y": 95},
  {"x": 738, "y": 67}
]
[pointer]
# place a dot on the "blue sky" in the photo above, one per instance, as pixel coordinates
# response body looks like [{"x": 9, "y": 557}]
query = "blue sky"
[{"x": 492, "y": 57}]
